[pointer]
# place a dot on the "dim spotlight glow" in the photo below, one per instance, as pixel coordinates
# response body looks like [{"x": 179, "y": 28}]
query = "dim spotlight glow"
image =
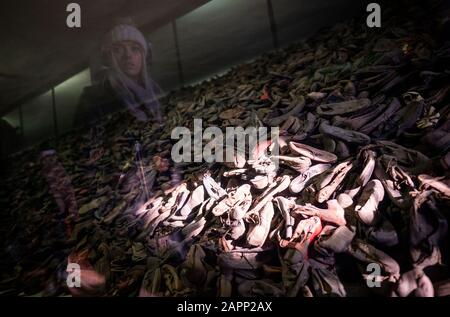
[{"x": 74, "y": 82}]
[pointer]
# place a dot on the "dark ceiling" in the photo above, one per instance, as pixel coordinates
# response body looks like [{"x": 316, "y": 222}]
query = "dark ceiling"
[{"x": 39, "y": 51}]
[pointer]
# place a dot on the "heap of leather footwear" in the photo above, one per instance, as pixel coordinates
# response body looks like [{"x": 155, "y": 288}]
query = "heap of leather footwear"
[{"x": 357, "y": 177}]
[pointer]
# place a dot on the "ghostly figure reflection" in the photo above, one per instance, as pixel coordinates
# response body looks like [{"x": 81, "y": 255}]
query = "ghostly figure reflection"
[{"x": 124, "y": 80}]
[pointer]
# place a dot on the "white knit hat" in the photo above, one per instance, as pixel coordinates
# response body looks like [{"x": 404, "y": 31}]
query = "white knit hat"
[{"x": 125, "y": 32}]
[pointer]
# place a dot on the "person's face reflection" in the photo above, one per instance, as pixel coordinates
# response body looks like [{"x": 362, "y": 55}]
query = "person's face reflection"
[{"x": 128, "y": 55}]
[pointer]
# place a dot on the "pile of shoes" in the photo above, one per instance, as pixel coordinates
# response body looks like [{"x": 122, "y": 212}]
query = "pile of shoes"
[{"x": 357, "y": 206}]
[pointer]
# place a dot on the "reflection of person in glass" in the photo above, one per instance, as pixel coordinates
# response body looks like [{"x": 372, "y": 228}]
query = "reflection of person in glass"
[{"x": 125, "y": 80}]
